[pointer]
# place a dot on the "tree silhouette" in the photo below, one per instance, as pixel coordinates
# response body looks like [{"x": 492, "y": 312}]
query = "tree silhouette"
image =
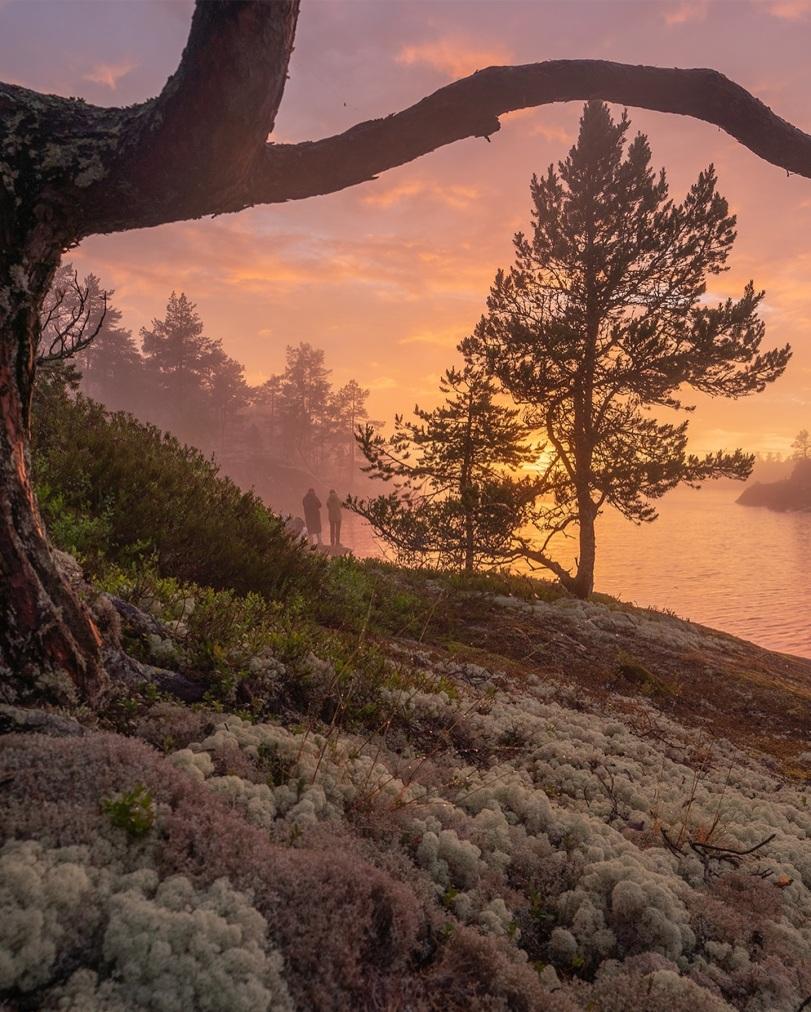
[
  {"x": 178, "y": 356},
  {"x": 455, "y": 505},
  {"x": 69, "y": 169},
  {"x": 111, "y": 367},
  {"x": 348, "y": 411},
  {"x": 603, "y": 316},
  {"x": 225, "y": 390},
  {"x": 72, "y": 316},
  {"x": 802, "y": 445},
  {"x": 304, "y": 404}
]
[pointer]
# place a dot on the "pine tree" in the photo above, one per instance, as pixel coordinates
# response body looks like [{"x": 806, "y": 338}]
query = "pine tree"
[
  {"x": 602, "y": 317},
  {"x": 802, "y": 445},
  {"x": 456, "y": 504},
  {"x": 112, "y": 367},
  {"x": 178, "y": 355},
  {"x": 348, "y": 411},
  {"x": 225, "y": 389},
  {"x": 304, "y": 404}
]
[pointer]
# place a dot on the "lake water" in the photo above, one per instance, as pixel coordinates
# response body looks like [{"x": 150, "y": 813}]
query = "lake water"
[{"x": 742, "y": 569}]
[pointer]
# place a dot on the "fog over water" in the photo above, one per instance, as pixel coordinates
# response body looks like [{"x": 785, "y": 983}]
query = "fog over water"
[{"x": 741, "y": 569}]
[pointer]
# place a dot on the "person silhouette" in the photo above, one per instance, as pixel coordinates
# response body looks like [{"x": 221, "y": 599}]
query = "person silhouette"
[
  {"x": 334, "y": 505},
  {"x": 312, "y": 515}
]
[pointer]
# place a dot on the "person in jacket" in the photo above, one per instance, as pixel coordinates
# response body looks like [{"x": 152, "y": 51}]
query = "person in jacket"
[
  {"x": 334, "y": 505},
  {"x": 312, "y": 515}
]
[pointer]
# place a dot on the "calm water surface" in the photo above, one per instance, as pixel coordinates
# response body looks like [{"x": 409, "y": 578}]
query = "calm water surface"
[{"x": 742, "y": 569}]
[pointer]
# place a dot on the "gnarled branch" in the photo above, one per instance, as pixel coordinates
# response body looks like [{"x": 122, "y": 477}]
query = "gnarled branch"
[
  {"x": 471, "y": 108},
  {"x": 200, "y": 147}
]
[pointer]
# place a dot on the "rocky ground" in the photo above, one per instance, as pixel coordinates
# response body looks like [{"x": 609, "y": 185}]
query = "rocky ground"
[{"x": 499, "y": 800}]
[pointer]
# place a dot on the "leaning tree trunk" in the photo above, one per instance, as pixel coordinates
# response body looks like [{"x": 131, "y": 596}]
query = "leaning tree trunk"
[{"x": 49, "y": 643}]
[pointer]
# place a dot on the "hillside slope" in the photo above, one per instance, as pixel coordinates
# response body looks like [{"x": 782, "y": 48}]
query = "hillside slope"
[{"x": 446, "y": 795}]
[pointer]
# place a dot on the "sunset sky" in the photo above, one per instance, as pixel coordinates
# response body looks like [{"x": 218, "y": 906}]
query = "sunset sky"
[{"x": 388, "y": 276}]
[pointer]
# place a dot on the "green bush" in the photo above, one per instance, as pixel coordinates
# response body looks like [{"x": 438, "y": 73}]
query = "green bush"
[
  {"x": 371, "y": 595},
  {"x": 134, "y": 811},
  {"x": 114, "y": 490}
]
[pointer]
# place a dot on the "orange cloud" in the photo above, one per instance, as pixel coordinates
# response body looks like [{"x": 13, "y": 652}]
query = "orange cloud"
[
  {"x": 382, "y": 383},
  {"x": 789, "y": 10},
  {"x": 453, "y": 195},
  {"x": 109, "y": 74},
  {"x": 549, "y": 131},
  {"x": 688, "y": 10},
  {"x": 448, "y": 337},
  {"x": 452, "y": 58}
]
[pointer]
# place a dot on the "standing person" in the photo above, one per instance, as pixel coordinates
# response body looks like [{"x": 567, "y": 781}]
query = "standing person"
[
  {"x": 312, "y": 515},
  {"x": 334, "y": 505}
]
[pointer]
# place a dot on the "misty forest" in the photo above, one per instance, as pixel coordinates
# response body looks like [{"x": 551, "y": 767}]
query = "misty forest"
[{"x": 404, "y": 599}]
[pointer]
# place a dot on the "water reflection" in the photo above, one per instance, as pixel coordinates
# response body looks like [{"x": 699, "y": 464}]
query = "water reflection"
[{"x": 738, "y": 568}]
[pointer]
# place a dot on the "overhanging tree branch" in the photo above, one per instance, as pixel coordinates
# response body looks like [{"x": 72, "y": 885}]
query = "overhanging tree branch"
[
  {"x": 472, "y": 106},
  {"x": 200, "y": 147}
]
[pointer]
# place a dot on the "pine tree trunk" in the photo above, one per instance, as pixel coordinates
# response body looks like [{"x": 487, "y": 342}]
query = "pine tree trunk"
[
  {"x": 49, "y": 644},
  {"x": 470, "y": 542},
  {"x": 583, "y": 584}
]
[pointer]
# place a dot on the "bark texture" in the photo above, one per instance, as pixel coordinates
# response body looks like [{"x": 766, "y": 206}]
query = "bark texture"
[
  {"x": 69, "y": 169},
  {"x": 47, "y": 638}
]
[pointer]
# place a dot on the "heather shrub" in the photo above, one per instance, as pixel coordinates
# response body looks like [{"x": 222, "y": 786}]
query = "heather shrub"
[
  {"x": 169, "y": 726},
  {"x": 647, "y": 983},
  {"x": 381, "y": 942},
  {"x": 476, "y": 973},
  {"x": 56, "y": 786}
]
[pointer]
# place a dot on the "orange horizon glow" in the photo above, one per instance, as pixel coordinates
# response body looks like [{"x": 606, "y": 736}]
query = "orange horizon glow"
[{"x": 387, "y": 277}]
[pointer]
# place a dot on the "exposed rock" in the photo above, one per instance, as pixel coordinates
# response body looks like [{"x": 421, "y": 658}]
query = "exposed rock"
[
  {"x": 19, "y": 719},
  {"x": 139, "y": 621},
  {"x": 123, "y": 668}
]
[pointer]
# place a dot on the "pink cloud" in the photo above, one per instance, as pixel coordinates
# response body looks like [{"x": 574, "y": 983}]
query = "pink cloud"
[
  {"x": 109, "y": 74},
  {"x": 549, "y": 131},
  {"x": 789, "y": 10},
  {"x": 688, "y": 10},
  {"x": 452, "y": 58},
  {"x": 553, "y": 133}
]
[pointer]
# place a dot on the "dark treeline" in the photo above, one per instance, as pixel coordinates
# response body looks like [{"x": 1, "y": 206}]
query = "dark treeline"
[{"x": 280, "y": 436}]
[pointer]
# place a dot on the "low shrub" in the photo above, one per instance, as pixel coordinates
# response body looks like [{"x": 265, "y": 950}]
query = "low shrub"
[
  {"x": 113, "y": 489},
  {"x": 133, "y": 811}
]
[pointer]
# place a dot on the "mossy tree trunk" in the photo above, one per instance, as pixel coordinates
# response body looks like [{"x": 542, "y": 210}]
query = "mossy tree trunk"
[
  {"x": 69, "y": 170},
  {"x": 47, "y": 636}
]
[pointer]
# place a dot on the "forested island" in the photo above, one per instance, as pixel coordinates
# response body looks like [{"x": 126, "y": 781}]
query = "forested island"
[{"x": 789, "y": 495}]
